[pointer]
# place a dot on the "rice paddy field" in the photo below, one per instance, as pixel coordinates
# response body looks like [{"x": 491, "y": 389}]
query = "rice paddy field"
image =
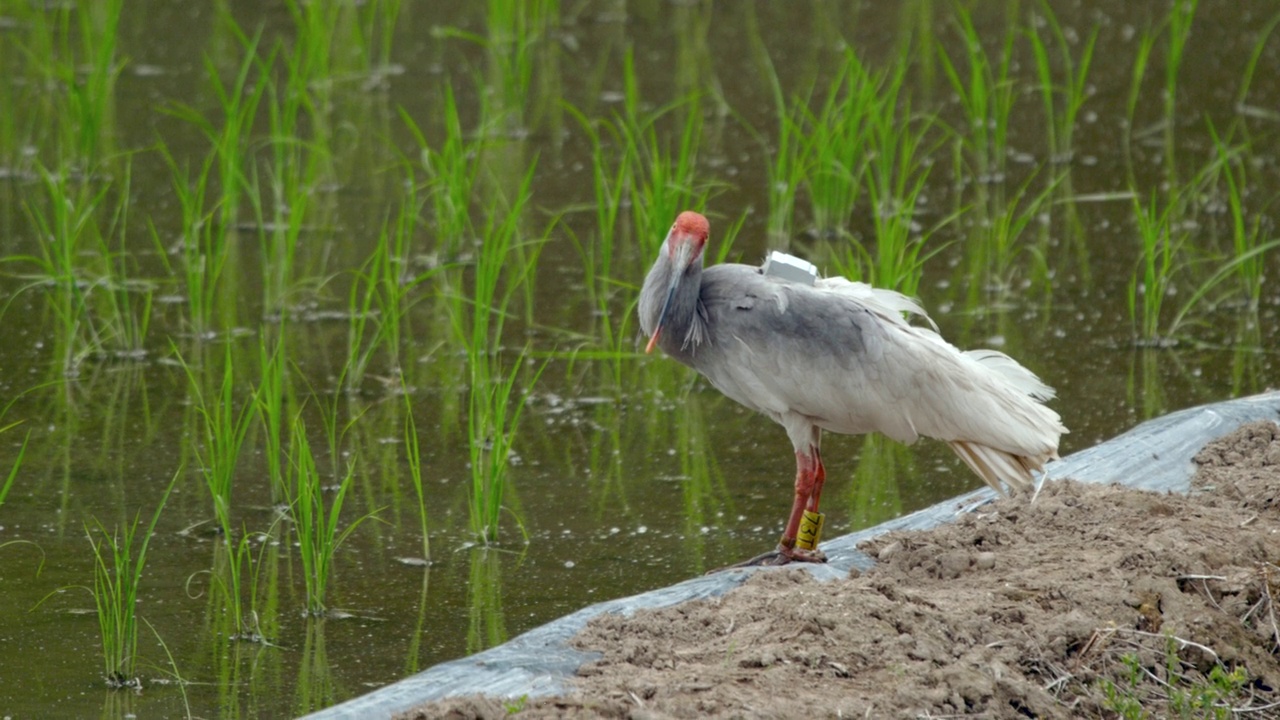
[{"x": 319, "y": 361}]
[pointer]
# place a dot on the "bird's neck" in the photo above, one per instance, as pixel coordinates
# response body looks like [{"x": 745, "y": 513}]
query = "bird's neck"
[{"x": 683, "y": 333}]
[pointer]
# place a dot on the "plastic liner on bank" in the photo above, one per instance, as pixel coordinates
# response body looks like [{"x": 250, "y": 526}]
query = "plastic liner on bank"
[{"x": 1155, "y": 455}]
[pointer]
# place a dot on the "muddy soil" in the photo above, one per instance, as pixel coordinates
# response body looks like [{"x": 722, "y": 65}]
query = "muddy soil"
[{"x": 1091, "y": 602}]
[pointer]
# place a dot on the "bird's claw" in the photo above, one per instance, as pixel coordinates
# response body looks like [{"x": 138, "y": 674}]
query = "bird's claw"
[{"x": 782, "y": 555}]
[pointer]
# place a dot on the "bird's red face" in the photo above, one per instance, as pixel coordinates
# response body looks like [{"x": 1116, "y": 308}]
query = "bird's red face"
[
  {"x": 690, "y": 228},
  {"x": 684, "y": 245}
]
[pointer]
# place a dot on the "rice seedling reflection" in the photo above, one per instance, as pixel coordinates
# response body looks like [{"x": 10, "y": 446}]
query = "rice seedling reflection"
[
  {"x": 874, "y": 495},
  {"x": 486, "y": 620},
  {"x": 315, "y": 688}
]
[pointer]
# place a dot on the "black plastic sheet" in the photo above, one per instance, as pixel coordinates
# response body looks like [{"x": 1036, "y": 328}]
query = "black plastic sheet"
[{"x": 1155, "y": 455}]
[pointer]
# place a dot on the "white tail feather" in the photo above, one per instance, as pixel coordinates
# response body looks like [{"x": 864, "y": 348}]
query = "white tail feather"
[
  {"x": 999, "y": 468},
  {"x": 1019, "y": 377}
]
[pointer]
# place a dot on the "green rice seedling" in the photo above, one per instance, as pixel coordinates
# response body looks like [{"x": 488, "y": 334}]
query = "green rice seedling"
[
  {"x": 986, "y": 97},
  {"x": 238, "y": 102},
  {"x": 451, "y": 177},
  {"x": 224, "y": 429},
  {"x": 380, "y": 296},
  {"x": 896, "y": 171},
  {"x": 66, "y": 220},
  {"x": 69, "y": 54},
  {"x": 994, "y": 255},
  {"x": 209, "y": 219},
  {"x": 494, "y": 405},
  {"x": 609, "y": 180},
  {"x": 1181, "y": 17},
  {"x": 495, "y": 410},
  {"x": 1152, "y": 282},
  {"x": 1142, "y": 59},
  {"x": 123, "y": 307},
  {"x": 93, "y": 98},
  {"x": 1060, "y": 114},
  {"x": 509, "y": 47},
  {"x": 663, "y": 181},
  {"x": 787, "y": 171},
  {"x": 413, "y": 454},
  {"x": 116, "y": 577},
  {"x": 1249, "y": 247},
  {"x": 1246, "y": 83},
  {"x": 315, "y": 524},
  {"x": 834, "y": 159},
  {"x": 269, "y": 401},
  {"x": 17, "y": 465},
  {"x": 199, "y": 276}
]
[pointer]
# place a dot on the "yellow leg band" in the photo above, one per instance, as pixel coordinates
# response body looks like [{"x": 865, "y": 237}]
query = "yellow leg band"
[{"x": 810, "y": 533}]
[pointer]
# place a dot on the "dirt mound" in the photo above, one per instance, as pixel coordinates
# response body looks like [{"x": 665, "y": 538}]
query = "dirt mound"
[{"x": 1093, "y": 601}]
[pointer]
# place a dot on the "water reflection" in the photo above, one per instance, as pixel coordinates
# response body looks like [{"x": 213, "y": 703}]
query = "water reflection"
[
  {"x": 874, "y": 495},
  {"x": 316, "y": 686},
  {"x": 486, "y": 619}
]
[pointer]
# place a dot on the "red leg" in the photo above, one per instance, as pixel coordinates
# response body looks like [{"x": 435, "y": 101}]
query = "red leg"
[
  {"x": 819, "y": 477},
  {"x": 809, "y": 478},
  {"x": 810, "y": 475}
]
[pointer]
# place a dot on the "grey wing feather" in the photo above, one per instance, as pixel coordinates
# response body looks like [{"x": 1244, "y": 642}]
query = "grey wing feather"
[{"x": 842, "y": 355}]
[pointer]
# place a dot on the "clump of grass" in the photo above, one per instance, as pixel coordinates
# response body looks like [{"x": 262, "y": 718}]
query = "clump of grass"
[
  {"x": 451, "y": 172},
  {"x": 1001, "y": 242},
  {"x": 1138, "y": 691},
  {"x": 897, "y": 173},
  {"x": 116, "y": 578}
]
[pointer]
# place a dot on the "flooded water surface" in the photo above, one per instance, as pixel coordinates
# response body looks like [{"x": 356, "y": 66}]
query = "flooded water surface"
[{"x": 341, "y": 274}]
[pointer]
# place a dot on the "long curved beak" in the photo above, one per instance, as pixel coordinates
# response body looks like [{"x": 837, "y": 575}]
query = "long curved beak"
[{"x": 680, "y": 262}]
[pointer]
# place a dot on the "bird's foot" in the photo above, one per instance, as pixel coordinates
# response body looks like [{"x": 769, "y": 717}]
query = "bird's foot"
[{"x": 782, "y": 555}]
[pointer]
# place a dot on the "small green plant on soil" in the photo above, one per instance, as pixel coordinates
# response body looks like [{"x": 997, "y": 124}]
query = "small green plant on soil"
[{"x": 1141, "y": 692}]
